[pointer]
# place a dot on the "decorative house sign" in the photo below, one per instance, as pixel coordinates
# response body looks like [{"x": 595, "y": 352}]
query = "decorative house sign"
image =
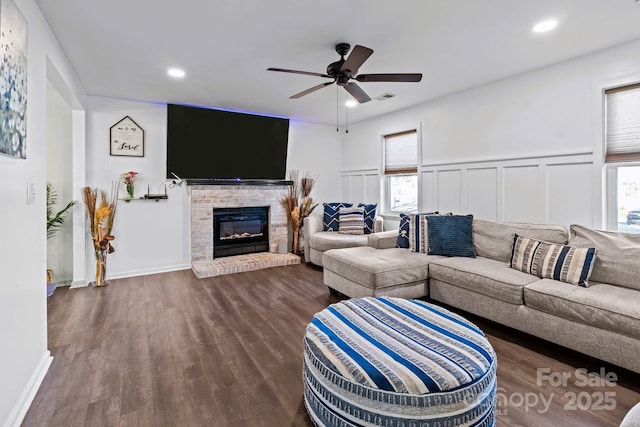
[{"x": 126, "y": 138}]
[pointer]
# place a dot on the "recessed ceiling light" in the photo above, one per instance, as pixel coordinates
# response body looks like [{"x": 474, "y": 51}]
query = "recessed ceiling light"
[
  {"x": 176, "y": 72},
  {"x": 351, "y": 103},
  {"x": 545, "y": 26}
]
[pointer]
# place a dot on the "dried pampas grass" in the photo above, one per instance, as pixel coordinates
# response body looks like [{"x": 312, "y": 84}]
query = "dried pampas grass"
[
  {"x": 101, "y": 212},
  {"x": 298, "y": 209}
]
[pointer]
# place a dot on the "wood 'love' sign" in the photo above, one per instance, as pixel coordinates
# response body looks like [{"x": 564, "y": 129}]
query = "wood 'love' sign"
[{"x": 126, "y": 138}]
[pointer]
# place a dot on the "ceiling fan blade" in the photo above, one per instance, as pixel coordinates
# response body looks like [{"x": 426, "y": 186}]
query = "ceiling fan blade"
[
  {"x": 396, "y": 77},
  {"x": 356, "y": 58},
  {"x": 312, "y": 89},
  {"x": 308, "y": 73},
  {"x": 357, "y": 92}
]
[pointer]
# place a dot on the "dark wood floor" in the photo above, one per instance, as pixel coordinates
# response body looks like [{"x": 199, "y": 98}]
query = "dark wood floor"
[{"x": 173, "y": 350}]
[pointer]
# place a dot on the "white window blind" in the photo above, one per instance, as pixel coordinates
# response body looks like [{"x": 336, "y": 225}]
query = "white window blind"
[
  {"x": 623, "y": 124},
  {"x": 401, "y": 153}
]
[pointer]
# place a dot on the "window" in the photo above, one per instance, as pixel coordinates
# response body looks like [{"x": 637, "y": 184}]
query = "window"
[
  {"x": 401, "y": 171},
  {"x": 622, "y": 156}
]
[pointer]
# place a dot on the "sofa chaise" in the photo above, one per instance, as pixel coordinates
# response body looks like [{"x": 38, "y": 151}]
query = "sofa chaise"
[{"x": 601, "y": 320}]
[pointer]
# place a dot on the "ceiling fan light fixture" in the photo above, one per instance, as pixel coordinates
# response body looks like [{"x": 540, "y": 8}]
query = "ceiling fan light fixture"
[
  {"x": 544, "y": 26},
  {"x": 350, "y": 103},
  {"x": 176, "y": 73},
  {"x": 343, "y": 71}
]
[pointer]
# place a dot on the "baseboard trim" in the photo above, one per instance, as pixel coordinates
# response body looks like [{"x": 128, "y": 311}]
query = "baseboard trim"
[
  {"x": 146, "y": 272},
  {"x": 135, "y": 273},
  {"x": 26, "y": 398},
  {"x": 78, "y": 284}
]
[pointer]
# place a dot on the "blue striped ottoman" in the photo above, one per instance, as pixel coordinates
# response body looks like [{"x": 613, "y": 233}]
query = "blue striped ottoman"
[{"x": 396, "y": 362}]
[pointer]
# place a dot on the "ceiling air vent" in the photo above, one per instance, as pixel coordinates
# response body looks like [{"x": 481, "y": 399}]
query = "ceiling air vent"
[{"x": 384, "y": 97}]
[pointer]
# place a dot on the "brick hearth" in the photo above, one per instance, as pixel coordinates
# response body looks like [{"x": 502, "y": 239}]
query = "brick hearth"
[{"x": 240, "y": 263}]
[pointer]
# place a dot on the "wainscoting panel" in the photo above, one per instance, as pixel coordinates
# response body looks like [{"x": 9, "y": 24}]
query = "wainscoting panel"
[
  {"x": 361, "y": 186},
  {"x": 555, "y": 189},
  {"x": 482, "y": 193},
  {"x": 429, "y": 188},
  {"x": 522, "y": 194},
  {"x": 346, "y": 189},
  {"x": 371, "y": 188},
  {"x": 570, "y": 194},
  {"x": 450, "y": 191}
]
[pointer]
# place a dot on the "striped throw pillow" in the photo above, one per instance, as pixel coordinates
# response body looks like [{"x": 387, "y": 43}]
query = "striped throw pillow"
[
  {"x": 351, "y": 221},
  {"x": 418, "y": 236},
  {"x": 552, "y": 261}
]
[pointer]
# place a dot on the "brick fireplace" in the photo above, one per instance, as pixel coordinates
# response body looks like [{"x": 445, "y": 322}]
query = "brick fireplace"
[{"x": 204, "y": 198}]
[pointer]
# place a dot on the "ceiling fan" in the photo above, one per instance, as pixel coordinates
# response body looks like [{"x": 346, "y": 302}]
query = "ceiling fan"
[{"x": 344, "y": 70}]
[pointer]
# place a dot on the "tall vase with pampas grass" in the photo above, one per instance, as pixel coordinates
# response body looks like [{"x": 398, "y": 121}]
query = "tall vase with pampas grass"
[
  {"x": 298, "y": 203},
  {"x": 101, "y": 212},
  {"x": 307, "y": 181}
]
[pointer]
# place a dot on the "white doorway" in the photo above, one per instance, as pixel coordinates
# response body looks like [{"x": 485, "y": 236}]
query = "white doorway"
[
  {"x": 65, "y": 129},
  {"x": 60, "y": 176}
]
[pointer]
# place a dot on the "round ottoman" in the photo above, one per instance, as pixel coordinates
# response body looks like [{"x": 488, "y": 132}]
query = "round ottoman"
[{"x": 396, "y": 362}]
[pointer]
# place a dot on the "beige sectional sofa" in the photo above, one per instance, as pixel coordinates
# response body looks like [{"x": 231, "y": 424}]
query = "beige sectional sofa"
[{"x": 601, "y": 320}]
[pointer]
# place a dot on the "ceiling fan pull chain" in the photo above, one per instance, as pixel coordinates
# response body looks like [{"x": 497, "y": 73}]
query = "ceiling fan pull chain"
[
  {"x": 346, "y": 115},
  {"x": 337, "y": 104}
]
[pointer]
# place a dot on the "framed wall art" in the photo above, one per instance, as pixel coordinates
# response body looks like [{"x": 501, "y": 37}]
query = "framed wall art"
[
  {"x": 126, "y": 138},
  {"x": 13, "y": 81}
]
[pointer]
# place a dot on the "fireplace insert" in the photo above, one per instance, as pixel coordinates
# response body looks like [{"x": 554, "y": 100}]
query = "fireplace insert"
[{"x": 238, "y": 231}]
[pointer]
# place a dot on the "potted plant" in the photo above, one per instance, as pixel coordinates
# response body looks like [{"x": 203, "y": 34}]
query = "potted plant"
[{"x": 55, "y": 221}]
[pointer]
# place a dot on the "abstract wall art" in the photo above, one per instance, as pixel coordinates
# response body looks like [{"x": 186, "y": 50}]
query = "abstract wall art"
[{"x": 13, "y": 81}]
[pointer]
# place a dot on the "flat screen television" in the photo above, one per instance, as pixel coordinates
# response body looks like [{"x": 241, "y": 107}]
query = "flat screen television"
[{"x": 206, "y": 145}]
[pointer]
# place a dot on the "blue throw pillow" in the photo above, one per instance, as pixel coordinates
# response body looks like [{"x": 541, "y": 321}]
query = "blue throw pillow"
[
  {"x": 451, "y": 235},
  {"x": 331, "y": 217},
  {"x": 403, "y": 232},
  {"x": 369, "y": 216}
]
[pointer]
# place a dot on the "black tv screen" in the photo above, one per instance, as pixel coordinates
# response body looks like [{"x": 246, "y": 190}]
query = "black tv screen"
[{"x": 205, "y": 144}]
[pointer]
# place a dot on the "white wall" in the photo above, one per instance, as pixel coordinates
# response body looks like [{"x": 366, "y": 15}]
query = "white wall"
[
  {"x": 150, "y": 236},
  {"x": 526, "y": 148},
  {"x": 316, "y": 148},
  {"x": 155, "y": 236},
  {"x": 24, "y": 358}
]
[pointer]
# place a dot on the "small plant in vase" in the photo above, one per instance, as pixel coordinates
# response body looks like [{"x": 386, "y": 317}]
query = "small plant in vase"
[{"x": 128, "y": 179}]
